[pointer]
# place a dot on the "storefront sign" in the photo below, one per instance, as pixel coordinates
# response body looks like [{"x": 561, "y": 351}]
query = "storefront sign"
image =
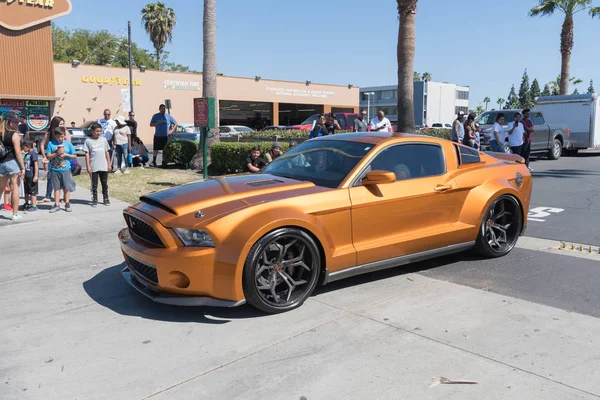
[
  {"x": 12, "y": 103},
  {"x": 38, "y": 114},
  {"x": 182, "y": 85},
  {"x": 20, "y": 14},
  {"x": 321, "y": 94},
  {"x": 105, "y": 80}
]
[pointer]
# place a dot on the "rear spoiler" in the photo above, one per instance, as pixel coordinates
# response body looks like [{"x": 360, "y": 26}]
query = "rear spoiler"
[{"x": 507, "y": 157}]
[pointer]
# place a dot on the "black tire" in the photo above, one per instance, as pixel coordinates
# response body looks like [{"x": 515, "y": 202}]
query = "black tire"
[
  {"x": 555, "y": 150},
  {"x": 504, "y": 217},
  {"x": 275, "y": 287}
]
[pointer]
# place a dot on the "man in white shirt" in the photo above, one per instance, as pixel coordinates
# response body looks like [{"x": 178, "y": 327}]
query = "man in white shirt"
[
  {"x": 108, "y": 129},
  {"x": 515, "y": 134},
  {"x": 380, "y": 123}
]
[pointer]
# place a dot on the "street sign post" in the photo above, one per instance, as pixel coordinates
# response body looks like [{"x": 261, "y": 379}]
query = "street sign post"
[{"x": 204, "y": 117}]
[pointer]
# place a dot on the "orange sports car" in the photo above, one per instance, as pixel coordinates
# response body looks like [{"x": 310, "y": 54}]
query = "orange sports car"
[{"x": 330, "y": 208}]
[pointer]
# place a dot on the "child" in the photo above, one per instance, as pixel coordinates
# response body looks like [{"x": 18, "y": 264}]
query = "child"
[
  {"x": 97, "y": 161},
  {"x": 60, "y": 153},
  {"x": 254, "y": 163},
  {"x": 31, "y": 177}
]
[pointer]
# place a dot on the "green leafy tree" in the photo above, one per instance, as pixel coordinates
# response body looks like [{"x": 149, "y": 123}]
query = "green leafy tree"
[
  {"x": 500, "y": 101},
  {"x": 486, "y": 101},
  {"x": 546, "y": 91},
  {"x": 405, "y": 55},
  {"x": 525, "y": 97},
  {"x": 555, "y": 85},
  {"x": 591, "y": 88},
  {"x": 576, "y": 91},
  {"x": 416, "y": 77},
  {"x": 535, "y": 90},
  {"x": 426, "y": 76},
  {"x": 569, "y": 8},
  {"x": 159, "y": 22},
  {"x": 512, "y": 101},
  {"x": 479, "y": 110}
]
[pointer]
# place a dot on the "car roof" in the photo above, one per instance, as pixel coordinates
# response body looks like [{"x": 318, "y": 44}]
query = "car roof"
[{"x": 372, "y": 137}]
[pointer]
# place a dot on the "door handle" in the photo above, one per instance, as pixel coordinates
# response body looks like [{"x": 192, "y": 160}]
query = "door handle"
[{"x": 442, "y": 188}]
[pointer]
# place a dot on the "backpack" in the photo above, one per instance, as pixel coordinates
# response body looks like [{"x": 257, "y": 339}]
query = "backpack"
[{"x": 3, "y": 150}]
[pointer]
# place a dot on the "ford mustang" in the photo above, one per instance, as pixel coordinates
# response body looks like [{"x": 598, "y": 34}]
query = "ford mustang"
[{"x": 330, "y": 208}]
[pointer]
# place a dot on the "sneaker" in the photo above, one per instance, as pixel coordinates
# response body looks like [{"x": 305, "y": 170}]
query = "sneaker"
[
  {"x": 32, "y": 209},
  {"x": 26, "y": 207},
  {"x": 142, "y": 167},
  {"x": 153, "y": 164},
  {"x": 117, "y": 171},
  {"x": 106, "y": 202},
  {"x": 94, "y": 203},
  {"x": 8, "y": 207},
  {"x": 68, "y": 207},
  {"x": 55, "y": 208},
  {"x": 17, "y": 218},
  {"x": 126, "y": 171}
]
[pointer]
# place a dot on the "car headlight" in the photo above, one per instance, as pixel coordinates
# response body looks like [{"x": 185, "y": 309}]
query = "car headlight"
[{"x": 194, "y": 237}]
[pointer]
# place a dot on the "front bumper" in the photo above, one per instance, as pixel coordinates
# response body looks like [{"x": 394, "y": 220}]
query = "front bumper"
[{"x": 174, "y": 299}]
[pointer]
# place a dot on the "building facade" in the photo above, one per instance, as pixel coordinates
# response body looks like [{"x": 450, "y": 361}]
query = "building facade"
[
  {"x": 79, "y": 93},
  {"x": 435, "y": 102}
]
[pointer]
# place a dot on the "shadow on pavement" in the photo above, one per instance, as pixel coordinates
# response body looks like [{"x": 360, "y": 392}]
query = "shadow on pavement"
[
  {"x": 563, "y": 173},
  {"x": 400, "y": 270},
  {"x": 109, "y": 289}
]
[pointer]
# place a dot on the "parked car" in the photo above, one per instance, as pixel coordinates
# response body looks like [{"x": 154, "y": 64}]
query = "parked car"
[
  {"x": 78, "y": 138},
  {"x": 438, "y": 125},
  {"x": 187, "y": 131},
  {"x": 580, "y": 112},
  {"x": 234, "y": 130},
  {"x": 548, "y": 138},
  {"x": 346, "y": 121},
  {"x": 330, "y": 208},
  {"x": 274, "y": 128}
]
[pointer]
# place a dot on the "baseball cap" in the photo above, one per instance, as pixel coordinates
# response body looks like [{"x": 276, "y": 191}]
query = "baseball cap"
[
  {"x": 461, "y": 113},
  {"x": 12, "y": 117}
]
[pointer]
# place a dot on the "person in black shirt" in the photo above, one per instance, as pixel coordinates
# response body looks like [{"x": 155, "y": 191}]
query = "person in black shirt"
[
  {"x": 254, "y": 162},
  {"x": 132, "y": 124},
  {"x": 23, "y": 127},
  {"x": 332, "y": 125}
]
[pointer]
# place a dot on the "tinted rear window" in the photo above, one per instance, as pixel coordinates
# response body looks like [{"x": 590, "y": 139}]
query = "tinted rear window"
[{"x": 489, "y": 118}]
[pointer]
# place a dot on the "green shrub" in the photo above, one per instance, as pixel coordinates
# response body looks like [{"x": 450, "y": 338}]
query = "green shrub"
[
  {"x": 180, "y": 152},
  {"x": 229, "y": 157},
  {"x": 437, "y": 132},
  {"x": 284, "y": 135}
]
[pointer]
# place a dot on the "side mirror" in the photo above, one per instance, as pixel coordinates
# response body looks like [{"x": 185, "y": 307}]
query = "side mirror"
[{"x": 379, "y": 177}]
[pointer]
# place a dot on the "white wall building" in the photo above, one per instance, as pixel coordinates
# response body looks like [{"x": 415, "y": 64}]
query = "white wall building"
[{"x": 435, "y": 102}]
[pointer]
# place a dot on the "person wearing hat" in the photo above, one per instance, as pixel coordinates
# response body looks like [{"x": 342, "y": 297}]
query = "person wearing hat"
[
  {"x": 11, "y": 162},
  {"x": 122, "y": 139},
  {"x": 274, "y": 152},
  {"x": 477, "y": 136},
  {"x": 458, "y": 129}
]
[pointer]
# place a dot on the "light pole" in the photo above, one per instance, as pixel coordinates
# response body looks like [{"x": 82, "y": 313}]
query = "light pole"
[
  {"x": 130, "y": 71},
  {"x": 369, "y": 94}
]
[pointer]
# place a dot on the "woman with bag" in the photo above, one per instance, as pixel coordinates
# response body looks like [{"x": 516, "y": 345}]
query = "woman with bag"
[{"x": 11, "y": 162}]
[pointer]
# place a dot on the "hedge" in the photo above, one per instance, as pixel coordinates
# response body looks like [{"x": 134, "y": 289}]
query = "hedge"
[
  {"x": 179, "y": 152},
  {"x": 281, "y": 134},
  {"x": 229, "y": 157},
  {"x": 437, "y": 132}
]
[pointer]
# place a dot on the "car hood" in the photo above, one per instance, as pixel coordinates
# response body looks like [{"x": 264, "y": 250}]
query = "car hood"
[{"x": 212, "y": 198}]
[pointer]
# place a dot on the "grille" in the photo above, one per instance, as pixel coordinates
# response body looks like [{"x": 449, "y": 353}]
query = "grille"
[
  {"x": 148, "y": 272},
  {"x": 143, "y": 231}
]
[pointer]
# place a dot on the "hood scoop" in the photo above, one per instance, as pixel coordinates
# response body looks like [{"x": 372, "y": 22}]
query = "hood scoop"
[{"x": 264, "y": 183}]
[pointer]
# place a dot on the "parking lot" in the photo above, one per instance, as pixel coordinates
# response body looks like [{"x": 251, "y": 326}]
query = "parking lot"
[{"x": 523, "y": 326}]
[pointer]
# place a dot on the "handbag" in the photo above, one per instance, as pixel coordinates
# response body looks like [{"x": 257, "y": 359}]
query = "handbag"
[{"x": 75, "y": 168}]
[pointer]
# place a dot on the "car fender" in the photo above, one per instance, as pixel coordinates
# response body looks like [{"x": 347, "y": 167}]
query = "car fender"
[{"x": 480, "y": 198}]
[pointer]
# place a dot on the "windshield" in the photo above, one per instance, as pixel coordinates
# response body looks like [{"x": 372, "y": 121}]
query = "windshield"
[
  {"x": 489, "y": 118},
  {"x": 322, "y": 162},
  {"x": 243, "y": 129},
  {"x": 310, "y": 119}
]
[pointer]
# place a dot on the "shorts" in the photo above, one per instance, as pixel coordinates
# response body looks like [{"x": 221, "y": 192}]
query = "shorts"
[
  {"x": 160, "y": 142},
  {"x": 31, "y": 187},
  {"x": 63, "y": 181},
  {"x": 9, "y": 168}
]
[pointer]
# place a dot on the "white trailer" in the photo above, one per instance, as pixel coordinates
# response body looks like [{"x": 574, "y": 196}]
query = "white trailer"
[{"x": 579, "y": 112}]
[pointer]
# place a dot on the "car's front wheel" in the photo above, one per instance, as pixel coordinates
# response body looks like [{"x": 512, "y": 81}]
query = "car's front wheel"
[
  {"x": 281, "y": 270},
  {"x": 500, "y": 228}
]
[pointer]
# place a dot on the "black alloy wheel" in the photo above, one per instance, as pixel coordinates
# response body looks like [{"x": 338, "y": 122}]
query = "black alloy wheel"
[
  {"x": 281, "y": 270},
  {"x": 500, "y": 228}
]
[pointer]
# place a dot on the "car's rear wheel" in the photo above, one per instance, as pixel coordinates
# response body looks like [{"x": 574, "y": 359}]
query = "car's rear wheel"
[
  {"x": 556, "y": 150},
  {"x": 281, "y": 270},
  {"x": 500, "y": 228}
]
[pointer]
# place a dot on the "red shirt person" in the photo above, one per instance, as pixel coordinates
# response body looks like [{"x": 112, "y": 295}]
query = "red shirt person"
[{"x": 527, "y": 137}]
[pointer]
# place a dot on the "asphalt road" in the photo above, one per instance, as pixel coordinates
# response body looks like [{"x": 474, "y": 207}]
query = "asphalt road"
[{"x": 566, "y": 199}]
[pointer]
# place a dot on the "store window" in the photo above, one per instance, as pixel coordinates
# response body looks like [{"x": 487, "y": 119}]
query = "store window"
[
  {"x": 252, "y": 114},
  {"x": 294, "y": 114}
]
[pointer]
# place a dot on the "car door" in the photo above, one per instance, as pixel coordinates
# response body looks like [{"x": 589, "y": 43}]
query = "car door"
[
  {"x": 540, "y": 138},
  {"x": 414, "y": 214}
]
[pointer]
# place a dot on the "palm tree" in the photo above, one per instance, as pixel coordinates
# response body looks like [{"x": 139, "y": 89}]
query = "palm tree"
[
  {"x": 407, "y": 9},
  {"x": 569, "y": 8},
  {"x": 159, "y": 22},
  {"x": 426, "y": 76},
  {"x": 486, "y": 101},
  {"x": 500, "y": 101}
]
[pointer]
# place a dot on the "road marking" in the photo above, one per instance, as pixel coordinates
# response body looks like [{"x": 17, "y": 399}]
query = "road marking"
[{"x": 536, "y": 214}]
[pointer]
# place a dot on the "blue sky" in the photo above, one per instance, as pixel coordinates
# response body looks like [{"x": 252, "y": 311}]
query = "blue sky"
[{"x": 484, "y": 44}]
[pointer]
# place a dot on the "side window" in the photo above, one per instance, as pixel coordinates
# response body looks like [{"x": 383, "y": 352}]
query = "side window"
[
  {"x": 538, "y": 119},
  {"x": 468, "y": 155},
  {"x": 224, "y": 130},
  {"x": 411, "y": 161}
]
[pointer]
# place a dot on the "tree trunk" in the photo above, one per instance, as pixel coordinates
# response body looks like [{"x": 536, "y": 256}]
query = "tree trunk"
[
  {"x": 209, "y": 72},
  {"x": 566, "y": 46},
  {"x": 406, "y": 60},
  {"x": 158, "y": 59}
]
